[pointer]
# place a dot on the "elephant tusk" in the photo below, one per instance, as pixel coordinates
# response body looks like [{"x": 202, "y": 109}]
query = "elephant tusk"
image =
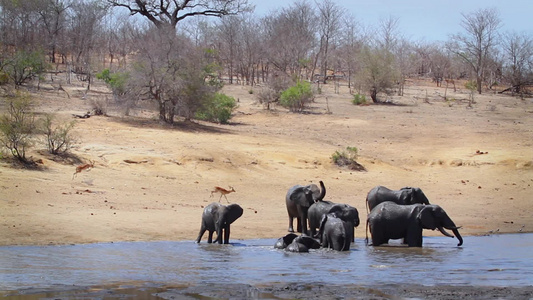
[{"x": 445, "y": 232}]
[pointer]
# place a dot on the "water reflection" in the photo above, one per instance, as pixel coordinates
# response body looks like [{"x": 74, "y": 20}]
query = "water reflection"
[{"x": 500, "y": 260}]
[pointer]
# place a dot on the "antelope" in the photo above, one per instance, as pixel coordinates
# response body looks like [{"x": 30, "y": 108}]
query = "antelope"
[
  {"x": 83, "y": 167},
  {"x": 222, "y": 191}
]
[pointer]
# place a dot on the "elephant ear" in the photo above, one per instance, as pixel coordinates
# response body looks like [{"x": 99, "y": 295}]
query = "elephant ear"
[
  {"x": 234, "y": 211},
  {"x": 426, "y": 217},
  {"x": 406, "y": 196},
  {"x": 419, "y": 196},
  {"x": 301, "y": 195}
]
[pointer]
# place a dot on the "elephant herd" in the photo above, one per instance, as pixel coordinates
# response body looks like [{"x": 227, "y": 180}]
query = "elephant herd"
[{"x": 394, "y": 214}]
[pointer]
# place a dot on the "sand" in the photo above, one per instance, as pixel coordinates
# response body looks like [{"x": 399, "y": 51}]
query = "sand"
[{"x": 151, "y": 181}]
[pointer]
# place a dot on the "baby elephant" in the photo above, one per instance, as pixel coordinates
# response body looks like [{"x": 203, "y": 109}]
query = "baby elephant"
[
  {"x": 218, "y": 217},
  {"x": 294, "y": 243}
]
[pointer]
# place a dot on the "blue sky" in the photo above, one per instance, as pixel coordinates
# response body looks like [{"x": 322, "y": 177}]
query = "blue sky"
[{"x": 424, "y": 20}]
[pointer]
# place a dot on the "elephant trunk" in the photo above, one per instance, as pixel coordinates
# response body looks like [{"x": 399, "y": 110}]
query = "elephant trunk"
[
  {"x": 322, "y": 192},
  {"x": 458, "y": 236}
]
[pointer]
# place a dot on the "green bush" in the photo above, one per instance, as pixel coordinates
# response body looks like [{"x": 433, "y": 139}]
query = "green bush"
[
  {"x": 25, "y": 65},
  {"x": 296, "y": 97},
  {"x": 347, "y": 158},
  {"x": 59, "y": 138},
  {"x": 359, "y": 99},
  {"x": 217, "y": 109},
  {"x": 116, "y": 81},
  {"x": 17, "y": 127}
]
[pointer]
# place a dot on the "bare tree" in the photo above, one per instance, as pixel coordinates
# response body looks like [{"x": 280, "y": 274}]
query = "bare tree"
[
  {"x": 518, "y": 60},
  {"x": 53, "y": 15},
  {"x": 290, "y": 36},
  {"x": 330, "y": 17},
  {"x": 478, "y": 42},
  {"x": 167, "y": 13}
]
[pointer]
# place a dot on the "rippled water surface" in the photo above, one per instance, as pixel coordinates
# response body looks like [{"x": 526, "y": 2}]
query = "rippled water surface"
[{"x": 498, "y": 260}]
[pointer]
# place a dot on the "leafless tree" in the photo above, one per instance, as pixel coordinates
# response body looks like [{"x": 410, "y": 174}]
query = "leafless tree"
[
  {"x": 290, "y": 36},
  {"x": 330, "y": 20},
  {"x": 53, "y": 14},
  {"x": 477, "y": 43},
  {"x": 518, "y": 60},
  {"x": 167, "y": 13}
]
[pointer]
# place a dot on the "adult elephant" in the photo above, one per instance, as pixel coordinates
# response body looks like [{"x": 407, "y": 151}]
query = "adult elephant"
[
  {"x": 218, "y": 217},
  {"x": 403, "y": 196},
  {"x": 389, "y": 220},
  {"x": 334, "y": 233},
  {"x": 298, "y": 200},
  {"x": 345, "y": 212}
]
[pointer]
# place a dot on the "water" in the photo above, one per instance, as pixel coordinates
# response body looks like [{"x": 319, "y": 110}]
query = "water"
[{"x": 498, "y": 260}]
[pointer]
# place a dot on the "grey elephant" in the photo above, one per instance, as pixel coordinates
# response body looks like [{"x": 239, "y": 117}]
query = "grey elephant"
[
  {"x": 389, "y": 220},
  {"x": 403, "y": 196},
  {"x": 302, "y": 244},
  {"x": 298, "y": 200},
  {"x": 283, "y": 242},
  {"x": 218, "y": 217},
  {"x": 345, "y": 212},
  {"x": 334, "y": 233}
]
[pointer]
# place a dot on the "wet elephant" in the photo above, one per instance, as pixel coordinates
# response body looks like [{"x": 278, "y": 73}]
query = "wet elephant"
[
  {"x": 403, "y": 196},
  {"x": 298, "y": 200},
  {"x": 345, "y": 212},
  {"x": 334, "y": 233},
  {"x": 218, "y": 217},
  {"x": 389, "y": 220}
]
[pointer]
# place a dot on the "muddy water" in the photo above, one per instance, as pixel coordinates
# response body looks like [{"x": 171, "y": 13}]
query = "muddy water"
[{"x": 498, "y": 260}]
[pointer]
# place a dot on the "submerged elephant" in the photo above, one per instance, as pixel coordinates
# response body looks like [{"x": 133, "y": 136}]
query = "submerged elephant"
[
  {"x": 283, "y": 242},
  {"x": 218, "y": 217},
  {"x": 345, "y": 212},
  {"x": 334, "y": 233},
  {"x": 302, "y": 244},
  {"x": 389, "y": 221},
  {"x": 403, "y": 196},
  {"x": 298, "y": 200}
]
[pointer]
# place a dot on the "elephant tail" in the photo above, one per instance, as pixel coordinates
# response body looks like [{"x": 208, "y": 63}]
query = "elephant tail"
[{"x": 366, "y": 231}]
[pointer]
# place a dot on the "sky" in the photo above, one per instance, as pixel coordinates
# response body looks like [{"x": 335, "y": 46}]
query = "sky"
[{"x": 424, "y": 20}]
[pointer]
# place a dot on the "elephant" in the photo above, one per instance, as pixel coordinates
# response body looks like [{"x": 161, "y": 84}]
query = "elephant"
[
  {"x": 298, "y": 200},
  {"x": 389, "y": 220},
  {"x": 345, "y": 212},
  {"x": 302, "y": 244},
  {"x": 218, "y": 217},
  {"x": 404, "y": 196},
  {"x": 283, "y": 242},
  {"x": 334, "y": 233}
]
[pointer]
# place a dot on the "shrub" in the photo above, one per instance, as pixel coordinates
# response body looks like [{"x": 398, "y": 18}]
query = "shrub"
[
  {"x": 59, "y": 138},
  {"x": 25, "y": 65},
  {"x": 116, "y": 81},
  {"x": 347, "y": 158},
  {"x": 359, "y": 99},
  {"x": 17, "y": 127},
  {"x": 217, "y": 109},
  {"x": 296, "y": 97}
]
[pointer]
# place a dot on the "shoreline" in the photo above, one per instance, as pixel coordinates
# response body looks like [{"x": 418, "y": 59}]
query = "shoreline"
[{"x": 278, "y": 290}]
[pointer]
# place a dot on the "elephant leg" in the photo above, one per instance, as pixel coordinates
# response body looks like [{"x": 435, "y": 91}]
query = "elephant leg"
[
  {"x": 414, "y": 238},
  {"x": 291, "y": 219},
  {"x": 298, "y": 224},
  {"x": 210, "y": 237},
  {"x": 226, "y": 235}
]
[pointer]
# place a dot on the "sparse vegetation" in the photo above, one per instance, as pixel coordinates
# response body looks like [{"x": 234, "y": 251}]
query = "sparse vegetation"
[
  {"x": 218, "y": 109},
  {"x": 359, "y": 99},
  {"x": 58, "y": 137},
  {"x": 17, "y": 126},
  {"x": 347, "y": 158},
  {"x": 24, "y": 66},
  {"x": 296, "y": 97}
]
